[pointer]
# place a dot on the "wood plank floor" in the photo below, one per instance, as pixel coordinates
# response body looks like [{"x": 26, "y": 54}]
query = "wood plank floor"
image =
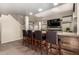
[
  {"x": 70, "y": 46},
  {"x": 16, "y": 48}
]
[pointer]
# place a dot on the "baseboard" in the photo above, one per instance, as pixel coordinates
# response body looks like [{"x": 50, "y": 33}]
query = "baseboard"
[{"x": 20, "y": 40}]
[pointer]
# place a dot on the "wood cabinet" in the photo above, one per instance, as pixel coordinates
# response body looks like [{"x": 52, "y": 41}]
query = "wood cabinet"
[{"x": 69, "y": 45}]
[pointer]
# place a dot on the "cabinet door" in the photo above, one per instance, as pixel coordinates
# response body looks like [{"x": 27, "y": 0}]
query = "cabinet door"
[
  {"x": 69, "y": 45},
  {"x": 67, "y": 22},
  {"x": 67, "y": 19}
]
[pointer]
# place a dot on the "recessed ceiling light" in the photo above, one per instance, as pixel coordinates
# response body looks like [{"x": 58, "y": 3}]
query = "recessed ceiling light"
[
  {"x": 30, "y": 13},
  {"x": 55, "y": 3},
  {"x": 40, "y": 9}
]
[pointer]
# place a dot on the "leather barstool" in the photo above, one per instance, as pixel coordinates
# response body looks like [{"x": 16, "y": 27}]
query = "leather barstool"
[
  {"x": 29, "y": 37},
  {"x": 37, "y": 40},
  {"x": 52, "y": 44},
  {"x": 24, "y": 37}
]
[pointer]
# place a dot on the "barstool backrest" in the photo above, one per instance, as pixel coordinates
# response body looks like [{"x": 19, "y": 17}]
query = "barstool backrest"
[
  {"x": 24, "y": 33},
  {"x": 51, "y": 37},
  {"x": 38, "y": 35},
  {"x": 29, "y": 33}
]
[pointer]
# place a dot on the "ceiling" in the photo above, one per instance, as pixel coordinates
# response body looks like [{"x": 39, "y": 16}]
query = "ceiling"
[
  {"x": 24, "y": 8},
  {"x": 68, "y": 7}
]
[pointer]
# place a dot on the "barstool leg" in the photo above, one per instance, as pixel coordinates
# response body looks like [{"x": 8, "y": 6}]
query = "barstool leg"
[{"x": 59, "y": 48}]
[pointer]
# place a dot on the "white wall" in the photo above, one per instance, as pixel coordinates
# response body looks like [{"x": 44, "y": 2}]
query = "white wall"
[
  {"x": 78, "y": 19},
  {"x": 20, "y": 19},
  {"x": 10, "y": 29}
]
